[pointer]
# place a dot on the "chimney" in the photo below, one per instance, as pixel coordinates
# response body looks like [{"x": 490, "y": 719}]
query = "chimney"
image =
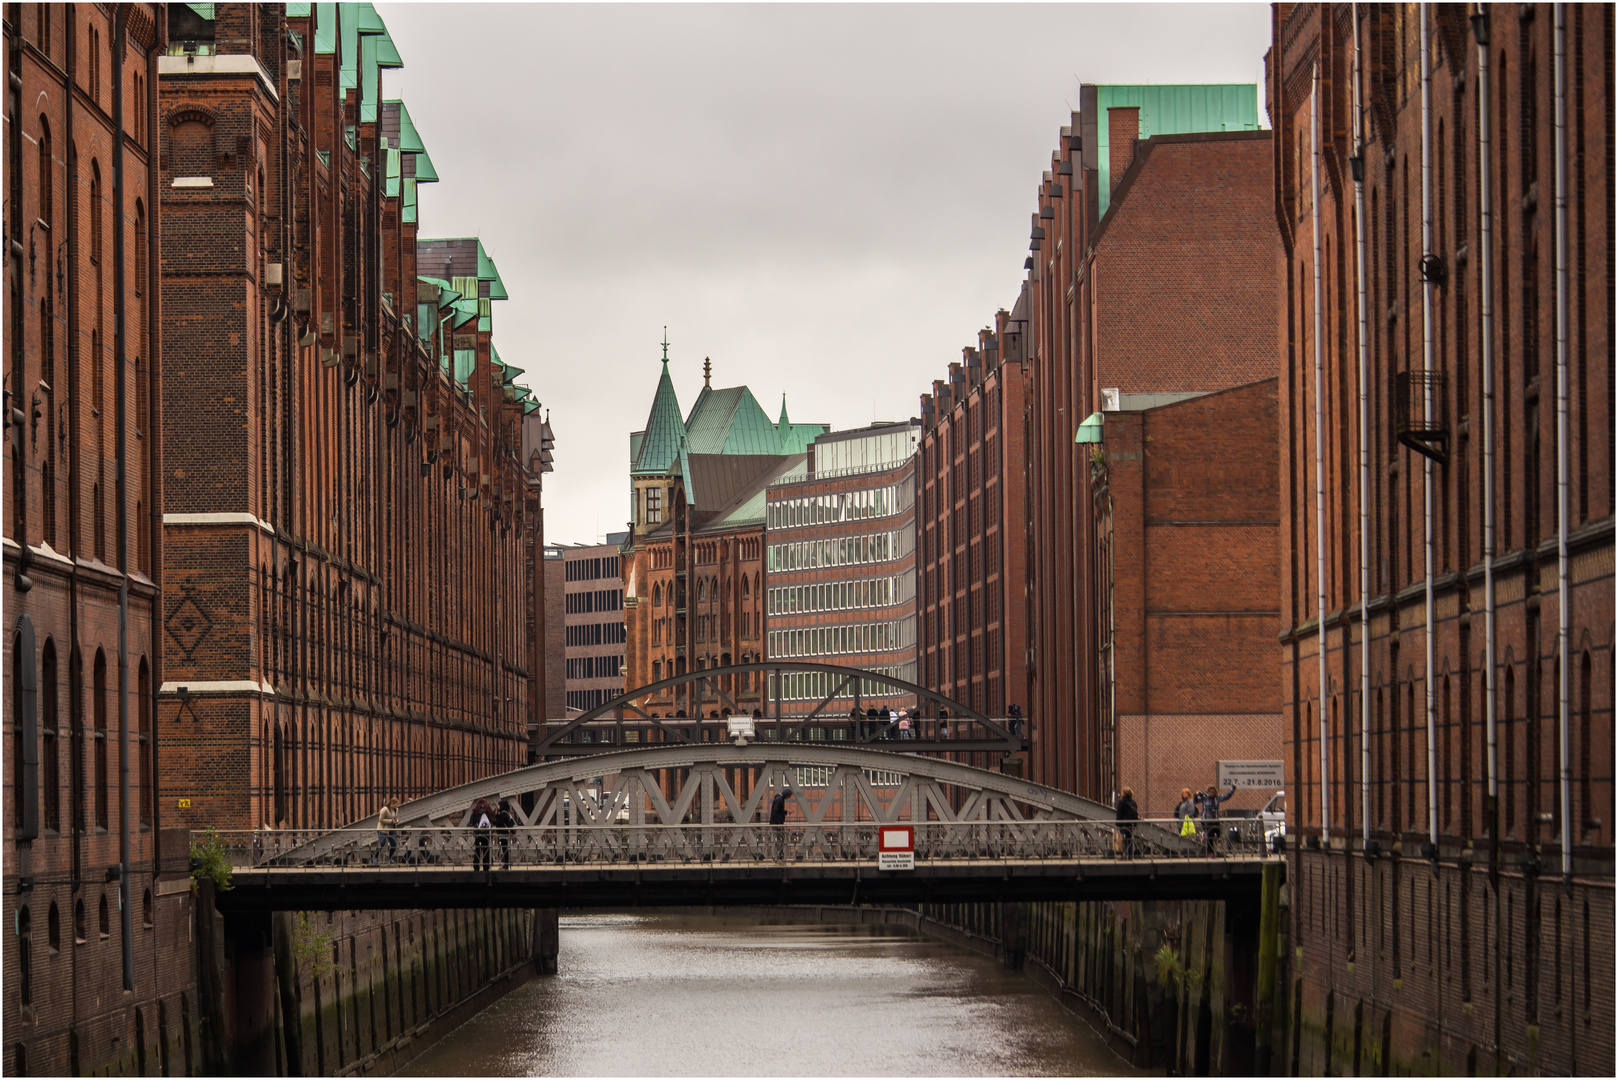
[{"x": 1123, "y": 128}]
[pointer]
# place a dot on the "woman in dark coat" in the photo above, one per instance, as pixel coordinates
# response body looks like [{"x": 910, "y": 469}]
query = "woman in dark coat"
[{"x": 1127, "y": 811}]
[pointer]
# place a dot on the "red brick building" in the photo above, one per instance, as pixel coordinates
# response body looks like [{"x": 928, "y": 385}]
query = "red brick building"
[
  {"x": 1184, "y": 497},
  {"x": 693, "y": 565},
  {"x": 840, "y": 571},
  {"x": 593, "y": 623},
  {"x": 97, "y": 952},
  {"x": 555, "y": 659},
  {"x": 1451, "y": 751},
  {"x": 1151, "y": 273},
  {"x": 352, "y": 542},
  {"x": 971, "y": 515}
]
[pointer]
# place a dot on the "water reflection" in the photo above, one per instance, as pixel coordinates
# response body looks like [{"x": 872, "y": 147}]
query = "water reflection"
[{"x": 663, "y": 995}]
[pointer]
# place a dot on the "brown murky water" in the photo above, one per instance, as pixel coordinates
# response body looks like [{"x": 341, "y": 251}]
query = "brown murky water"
[{"x": 666, "y": 995}]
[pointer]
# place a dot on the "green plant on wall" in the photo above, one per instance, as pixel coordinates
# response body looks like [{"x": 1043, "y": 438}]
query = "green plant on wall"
[
  {"x": 1170, "y": 969},
  {"x": 208, "y": 860},
  {"x": 311, "y": 947}
]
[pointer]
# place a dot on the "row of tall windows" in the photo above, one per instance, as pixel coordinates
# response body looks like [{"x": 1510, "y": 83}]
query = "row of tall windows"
[
  {"x": 583, "y": 603},
  {"x": 592, "y": 569},
  {"x": 595, "y": 667},
  {"x": 817, "y": 685},
  {"x": 601, "y": 633},
  {"x": 841, "y": 551},
  {"x": 843, "y": 506},
  {"x": 842, "y": 595},
  {"x": 37, "y": 739},
  {"x": 853, "y": 638}
]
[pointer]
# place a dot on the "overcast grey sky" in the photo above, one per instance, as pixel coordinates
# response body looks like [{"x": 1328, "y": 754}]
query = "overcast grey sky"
[{"x": 829, "y": 201}]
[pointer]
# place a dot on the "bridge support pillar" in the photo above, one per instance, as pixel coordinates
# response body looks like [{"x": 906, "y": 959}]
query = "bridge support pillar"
[
  {"x": 1269, "y": 934},
  {"x": 547, "y": 940}
]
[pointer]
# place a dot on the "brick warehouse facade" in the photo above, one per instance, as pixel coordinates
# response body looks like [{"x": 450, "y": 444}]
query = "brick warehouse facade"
[
  {"x": 351, "y": 527},
  {"x": 83, "y": 406},
  {"x": 593, "y": 623},
  {"x": 972, "y": 503},
  {"x": 693, "y": 564},
  {"x": 1184, "y": 497},
  {"x": 1436, "y": 924},
  {"x": 840, "y": 572},
  {"x": 1150, "y": 272}
]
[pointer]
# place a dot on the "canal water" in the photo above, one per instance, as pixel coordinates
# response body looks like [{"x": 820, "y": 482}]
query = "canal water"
[{"x": 677, "y": 995}]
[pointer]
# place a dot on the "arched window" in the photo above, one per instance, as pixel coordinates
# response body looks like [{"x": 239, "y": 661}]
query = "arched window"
[
  {"x": 657, "y": 595},
  {"x": 746, "y": 591},
  {"x": 47, "y": 179},
  {"x": 702, "y": 589},
  {"x": 25, "y": 967},
  {"x": 146, "y": 909},
  {"x": 81, "y": 929},
  {"x": 140, "y": 256},
  {"x": 53, "y": 928},
  {"x": 106, "y": 918},
  {"x": 143, "y": 740},
  {"x": 1587, "y": 760},
  {"x": 75, "y": 756},
  {"x": 98, "y": 702},
  {"x": 95, "y": 211}
]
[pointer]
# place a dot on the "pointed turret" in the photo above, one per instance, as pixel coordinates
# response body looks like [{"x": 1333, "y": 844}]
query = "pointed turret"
[{"x": 660, "y": 443}]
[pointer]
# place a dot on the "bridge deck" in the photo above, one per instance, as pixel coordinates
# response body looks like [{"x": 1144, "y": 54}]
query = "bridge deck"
[{"x": 320, "y": 888}]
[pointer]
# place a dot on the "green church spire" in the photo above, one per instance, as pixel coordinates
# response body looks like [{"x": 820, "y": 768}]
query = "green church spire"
[{"x": 665, "y": 429}]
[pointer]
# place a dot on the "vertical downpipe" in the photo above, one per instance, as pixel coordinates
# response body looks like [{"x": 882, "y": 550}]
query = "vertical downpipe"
[
  {"x": 1562, "y": 616},
  {"x": 1486, "y": 352},
  {"x": 1361, "y": 334},
  {"x": 1427, "y": 416},
  {"x": 1320, "y": 455},
  {"x": 120, "y": 429}
]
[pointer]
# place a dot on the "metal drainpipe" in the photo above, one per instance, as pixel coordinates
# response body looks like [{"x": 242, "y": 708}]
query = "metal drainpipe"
[
  {"x": 154, "y": 429},
  {"x": 1562, "y": 617},
  {"x": 1320, "y": 464},
  {"x": 1365, "y": 450},
  {"x": 78, "y": 820},
  {"x": 21, "y": 394},
  {"x": 1427, "y": 414},
  {"x": 1486, "y": 351},
  {"x": 120, "y": 427}
]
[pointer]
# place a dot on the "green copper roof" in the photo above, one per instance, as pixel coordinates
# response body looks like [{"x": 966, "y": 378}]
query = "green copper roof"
[
  {"x": 487, "y": 272},
  {"x": 664, "y": 435},
  {"x": 730, "y": 421},
  {"x": 1172, "y": 110},
  {"x": 295, "y": 11},
  {"x": 326, "y": 28}
]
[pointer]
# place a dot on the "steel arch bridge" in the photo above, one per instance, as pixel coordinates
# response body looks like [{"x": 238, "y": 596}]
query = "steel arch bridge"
[
  {"x": 607, "y": 725},
  {"x": 687, "y": 824}
]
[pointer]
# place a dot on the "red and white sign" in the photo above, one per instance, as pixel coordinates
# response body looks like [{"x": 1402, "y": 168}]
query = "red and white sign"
[{"x": 896, "y": 849}]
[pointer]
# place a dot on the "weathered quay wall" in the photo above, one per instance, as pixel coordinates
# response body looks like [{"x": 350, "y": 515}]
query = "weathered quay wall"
[{"x": 343, "y": 993}]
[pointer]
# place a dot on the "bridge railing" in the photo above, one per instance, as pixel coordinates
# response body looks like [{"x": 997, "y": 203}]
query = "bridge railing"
[{"x": 642, "y": 844}]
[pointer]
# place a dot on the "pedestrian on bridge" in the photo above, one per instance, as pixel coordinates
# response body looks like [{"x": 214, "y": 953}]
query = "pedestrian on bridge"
[
  {"x": 387, "y": 831},
  {"x": 1210, "y": 816},
  {"x": 505, "y": 822},
  {"x": 1127, "y": 811},
  {"x": 482, "y": 825},
  {"x": 778, "y": 818},
  {"x": 904, "y": 723},
  {"x": 1187, "y": 812}
]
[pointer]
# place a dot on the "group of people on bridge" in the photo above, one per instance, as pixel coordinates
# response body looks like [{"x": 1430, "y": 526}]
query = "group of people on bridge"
[{"x": 1196, "y": 815}]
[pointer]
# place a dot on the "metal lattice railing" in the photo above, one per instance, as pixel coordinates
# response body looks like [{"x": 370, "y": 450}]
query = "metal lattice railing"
[{"x": 674, "y": 845}]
